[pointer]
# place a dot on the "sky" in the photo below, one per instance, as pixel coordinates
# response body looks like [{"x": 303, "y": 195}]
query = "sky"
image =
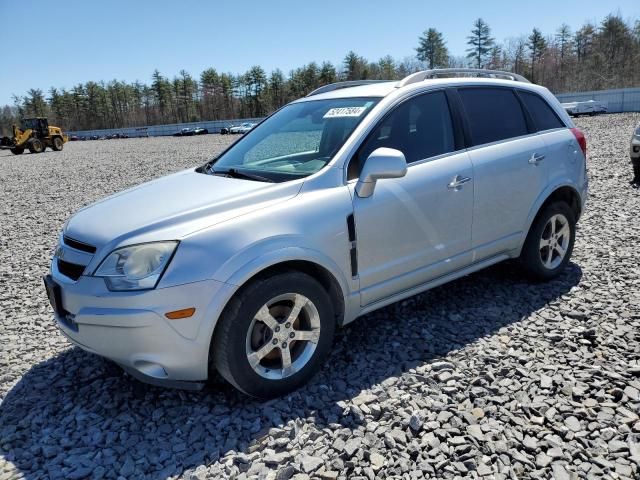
[{"x": 77, "y": 41}]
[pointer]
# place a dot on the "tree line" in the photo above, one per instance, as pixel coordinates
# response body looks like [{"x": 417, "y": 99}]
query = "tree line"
[{"x": 594, "y": 57}]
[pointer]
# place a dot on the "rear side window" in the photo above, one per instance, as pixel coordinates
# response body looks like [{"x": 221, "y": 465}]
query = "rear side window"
[
  {"x": 493, "y": 114},
  {"x": 420, "y": 128},
  {"x": 543, "y": 115}
]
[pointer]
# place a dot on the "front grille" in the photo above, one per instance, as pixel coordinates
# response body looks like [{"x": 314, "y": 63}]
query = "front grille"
[
  {"x": 83, "y": 247},
  {"x": 71, "y": 270}
]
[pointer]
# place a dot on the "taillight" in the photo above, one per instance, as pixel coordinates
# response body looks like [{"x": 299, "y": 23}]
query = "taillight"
[{"x": 582, "y": 141}]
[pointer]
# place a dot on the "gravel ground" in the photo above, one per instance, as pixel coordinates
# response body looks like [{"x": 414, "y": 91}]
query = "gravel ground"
[{"x": 489, "y": 376}]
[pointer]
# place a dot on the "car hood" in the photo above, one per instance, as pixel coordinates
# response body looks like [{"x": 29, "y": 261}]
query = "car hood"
[{"x": 172, "y": 207}]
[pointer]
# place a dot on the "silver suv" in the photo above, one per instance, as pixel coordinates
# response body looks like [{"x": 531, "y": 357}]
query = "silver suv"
[{"x": 352, "y": 198}]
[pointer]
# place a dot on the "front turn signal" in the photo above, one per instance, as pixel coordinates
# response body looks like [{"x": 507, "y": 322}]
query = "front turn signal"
[{"x": 180, "y": 314}]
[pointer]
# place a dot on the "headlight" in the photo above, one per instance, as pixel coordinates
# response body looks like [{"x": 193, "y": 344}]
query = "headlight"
[{"x": 137, "y": 267}]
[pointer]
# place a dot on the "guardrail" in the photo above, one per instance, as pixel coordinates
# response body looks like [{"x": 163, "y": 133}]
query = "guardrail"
[
  {"x": 213, "y": 126},
  {"x": 617, "y": 100}
]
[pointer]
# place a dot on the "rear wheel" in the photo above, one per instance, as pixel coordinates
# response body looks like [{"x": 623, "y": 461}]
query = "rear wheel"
[
  {"x": 35, "y": 145},
  {"x": 549, "y": 244},
  {"x": 274, "y": 335},
  {"x": 17, "y": 150},
  {"x": 57, "y": 144}
]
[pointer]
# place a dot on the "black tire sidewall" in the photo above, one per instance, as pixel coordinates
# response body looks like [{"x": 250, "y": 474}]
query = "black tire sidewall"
[
  {"x": 34, "y": 149},
  {"x": 229, "y": 345},
  {"x": 530, "y": 255}
]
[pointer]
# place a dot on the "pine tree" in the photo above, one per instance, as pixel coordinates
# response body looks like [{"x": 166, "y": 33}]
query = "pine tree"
[
  {"x": 537, "y": 46},
  {"x": 563, "y": 40},
  {"x": 327, "y": 73},
  {"x": 355, "y": 67},
  {"x": 480, "y": 43},
  {"x": 432, "y": 50},
  {"x": 387, "y": 66}
]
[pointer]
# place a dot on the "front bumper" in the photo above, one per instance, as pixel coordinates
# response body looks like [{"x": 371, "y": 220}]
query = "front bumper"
[{"x": 130, "y": 327}]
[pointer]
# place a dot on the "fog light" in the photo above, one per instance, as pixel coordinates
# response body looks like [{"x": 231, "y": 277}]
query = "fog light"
[{"x": 150, "y": 369}]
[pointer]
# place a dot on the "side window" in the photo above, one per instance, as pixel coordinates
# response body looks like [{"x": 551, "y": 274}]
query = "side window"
[
  {"x": 543, "y": 115},
  {"x": 493, "y": 114},
  {"x": 420, "y": 128}
]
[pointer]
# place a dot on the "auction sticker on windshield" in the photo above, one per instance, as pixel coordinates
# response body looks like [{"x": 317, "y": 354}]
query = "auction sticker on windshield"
[{"x": 344, "y": 112}]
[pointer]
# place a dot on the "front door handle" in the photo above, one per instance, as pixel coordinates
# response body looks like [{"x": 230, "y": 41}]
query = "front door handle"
[
  {"x": 536, "y": 159},
  {"x": 458, "y": 182}
]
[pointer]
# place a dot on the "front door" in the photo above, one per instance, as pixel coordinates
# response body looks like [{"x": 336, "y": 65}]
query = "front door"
[{"x": 416, "y": 228}]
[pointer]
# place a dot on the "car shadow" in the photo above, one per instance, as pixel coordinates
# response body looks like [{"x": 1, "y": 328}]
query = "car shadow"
[{"x": 76, "y": 415}]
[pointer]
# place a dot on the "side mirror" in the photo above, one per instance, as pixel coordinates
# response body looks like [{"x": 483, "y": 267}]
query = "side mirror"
[{"x": 382, "y": 163}]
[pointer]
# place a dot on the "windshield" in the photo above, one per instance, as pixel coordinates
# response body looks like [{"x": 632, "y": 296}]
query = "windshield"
[
  {"x": 29, "y": 123},
  {"x": 297, "y": 141}
]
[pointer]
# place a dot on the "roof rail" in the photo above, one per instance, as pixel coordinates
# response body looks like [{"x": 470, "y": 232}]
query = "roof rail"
[
  {"x": 459, "y": 72},
  {"x": 338, "y": 85}
]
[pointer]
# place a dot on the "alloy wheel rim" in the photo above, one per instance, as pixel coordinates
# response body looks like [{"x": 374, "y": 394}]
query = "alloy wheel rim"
[
  {"x": 283, "y": 336},
  {"x": 554, "y": 241}
]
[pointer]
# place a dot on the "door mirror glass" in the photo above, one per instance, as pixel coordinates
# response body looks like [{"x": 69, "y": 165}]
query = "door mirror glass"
[{"x": 382, "y": 163}]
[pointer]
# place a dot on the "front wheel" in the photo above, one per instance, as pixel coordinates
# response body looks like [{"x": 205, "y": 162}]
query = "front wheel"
[
  {"x": 274, "y": 335},
  {"x": 57, "y": 144},
  {"x": 36, "y": 146},
  {"x": 549, "y": 244}
]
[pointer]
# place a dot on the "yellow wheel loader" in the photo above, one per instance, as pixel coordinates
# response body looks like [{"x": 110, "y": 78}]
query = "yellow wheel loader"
[{"x": 35, "y": 134}]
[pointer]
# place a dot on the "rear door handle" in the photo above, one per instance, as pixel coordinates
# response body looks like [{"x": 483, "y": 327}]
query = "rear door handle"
[
  {"x": 458, "y": 182},
  {"x": 536, "y": 159}
]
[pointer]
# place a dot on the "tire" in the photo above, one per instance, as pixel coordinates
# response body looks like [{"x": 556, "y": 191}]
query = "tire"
[
  {"x": 542, "y": 256},
  {"x": 249, "y": 354},
  {"x": 36, "y": 146},
  {"x": 57, "y": 144},
  {"x": 17, "y": 150}
]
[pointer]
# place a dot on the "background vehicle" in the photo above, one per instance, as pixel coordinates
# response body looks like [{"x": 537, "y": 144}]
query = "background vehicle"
[
  {"x": 338, "y": 204},
  {"x": 242, "y": 128},
  {"x": 224, "y": 130},
  {"x": 589, "y": 107},
  {"x": 35, "y": 134},
  {"x": 200, "y": 131},
  {"x": 185, "y": 132}
]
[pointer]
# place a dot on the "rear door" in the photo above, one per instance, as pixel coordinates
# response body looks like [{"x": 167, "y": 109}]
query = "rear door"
[
  {"x": 562, "y": 160},
  {"x": 508, "y": 159}
]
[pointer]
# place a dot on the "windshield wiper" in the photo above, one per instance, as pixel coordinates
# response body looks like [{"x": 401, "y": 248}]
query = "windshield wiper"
[{"x": 232, "y": 172}]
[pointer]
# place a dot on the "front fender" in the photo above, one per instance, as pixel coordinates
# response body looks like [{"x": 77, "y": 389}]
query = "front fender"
[
  {"x": 285, "y": 254},
  {"x": 255, "y": 265}
]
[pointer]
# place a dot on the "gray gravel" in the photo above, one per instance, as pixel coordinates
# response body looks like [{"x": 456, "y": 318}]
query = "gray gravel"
[{"x": 488, "y": 377}]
